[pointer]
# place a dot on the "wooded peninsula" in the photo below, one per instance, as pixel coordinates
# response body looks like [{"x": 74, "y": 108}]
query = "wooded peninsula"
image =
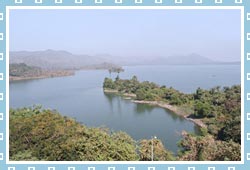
[
  {"x": 22, "y": 71},
  {"x": 217, "y": 111},
  {"x": 44, "y": 134}
]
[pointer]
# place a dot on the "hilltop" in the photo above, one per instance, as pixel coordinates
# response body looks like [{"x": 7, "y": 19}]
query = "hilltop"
[{"x": 54, "y": 59}]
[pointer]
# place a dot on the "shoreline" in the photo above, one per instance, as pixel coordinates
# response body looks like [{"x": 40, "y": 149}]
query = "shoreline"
[
  {"x": 127, "y": 95},
  {"x": 161, "y": 104},
  {"x": 51, "y": 74},
  {"x": 173, "y": 109},
  {"x": 42, "y": 76}
]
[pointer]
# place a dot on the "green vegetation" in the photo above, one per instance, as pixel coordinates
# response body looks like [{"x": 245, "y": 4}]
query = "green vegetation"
[
  {"x": 115, "y": 69},
  {"x": 21, "y": 69},
  {"x": 160, "y": 153},
  {"x": 37, "y": 134},
  {"x": 146, "y": 90},
  {"x": 218, "y": 108},
  {"x": 204, "y": 148}
]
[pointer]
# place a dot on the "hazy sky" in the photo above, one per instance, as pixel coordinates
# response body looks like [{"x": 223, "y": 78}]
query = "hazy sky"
[{"x": 146, "y": 33}]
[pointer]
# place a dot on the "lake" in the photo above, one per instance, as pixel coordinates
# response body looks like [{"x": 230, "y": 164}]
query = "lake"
[{"x": 81, "y": 97}]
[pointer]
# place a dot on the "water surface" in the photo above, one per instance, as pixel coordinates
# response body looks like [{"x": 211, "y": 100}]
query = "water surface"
[{"x": 81, "y": 97}]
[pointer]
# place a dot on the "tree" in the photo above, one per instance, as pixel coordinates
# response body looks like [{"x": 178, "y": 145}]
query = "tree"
[
  {"x": 140, "y": 94},
  {"x": 207, "y": 149},
  {"x": 116, "y": 70},
  {"x": 160, "y": 153},
  {"x": 49, "y": 136},
  {"x": 231, "y": 131},
  {"x": 134, "y": 79},
  {"x": 110, "y": 71},
  {"x": 202, "y": 110},
  {"x": 198, "y": 94},
  {"x": 108, "y": 83}
]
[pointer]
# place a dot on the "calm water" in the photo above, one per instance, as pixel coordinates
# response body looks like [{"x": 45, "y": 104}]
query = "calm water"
[{"x": 81, "y": 97}]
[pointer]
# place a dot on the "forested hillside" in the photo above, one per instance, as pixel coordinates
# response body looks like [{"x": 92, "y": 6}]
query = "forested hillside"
[
  {"x": 60, "y": 60},
  {"x": 22, "y": 71},
  {"x": 37, "y": 134}
]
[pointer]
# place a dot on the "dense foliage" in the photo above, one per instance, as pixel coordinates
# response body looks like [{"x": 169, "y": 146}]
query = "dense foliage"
[
  {"x": 146, "y": 90},
  {"x": 204, "y": 148},
  {"x": 221, "y": 111},
  {"x": 219, "y": 108},
  {"x": 160, "y": 153},
  {"x": 37, "y": 134},
  {"x": 21, "y": 69}
]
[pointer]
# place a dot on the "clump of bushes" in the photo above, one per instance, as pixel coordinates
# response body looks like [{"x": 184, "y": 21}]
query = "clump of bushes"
[{"x": 37, "y": 134}]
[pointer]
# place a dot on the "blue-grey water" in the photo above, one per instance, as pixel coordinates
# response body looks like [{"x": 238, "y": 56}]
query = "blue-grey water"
[{"x": 81, "y": 97}]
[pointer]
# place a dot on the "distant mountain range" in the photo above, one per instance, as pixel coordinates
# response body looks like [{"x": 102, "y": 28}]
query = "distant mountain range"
[
  {"x": 191, "y": 59},
  {"x": 52, "y": 59},
  {"x": 184, "y": 60}
]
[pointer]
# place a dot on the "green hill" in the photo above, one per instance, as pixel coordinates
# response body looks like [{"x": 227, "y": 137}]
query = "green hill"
[
  {"x": 21, "y": 69},
  {"x": 37, "y": 134}
]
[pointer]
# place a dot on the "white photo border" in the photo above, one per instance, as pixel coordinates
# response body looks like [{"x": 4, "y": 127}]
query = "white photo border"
[{"x": 6, "y": 6}]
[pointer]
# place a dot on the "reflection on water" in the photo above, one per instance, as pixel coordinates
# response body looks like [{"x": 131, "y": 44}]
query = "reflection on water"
[
  {"x": 81, "y": 97},
  {"x": 169, "y": 124},
  {"x": 143, "y": 108},
  {"x": 139, "y": 108}
]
